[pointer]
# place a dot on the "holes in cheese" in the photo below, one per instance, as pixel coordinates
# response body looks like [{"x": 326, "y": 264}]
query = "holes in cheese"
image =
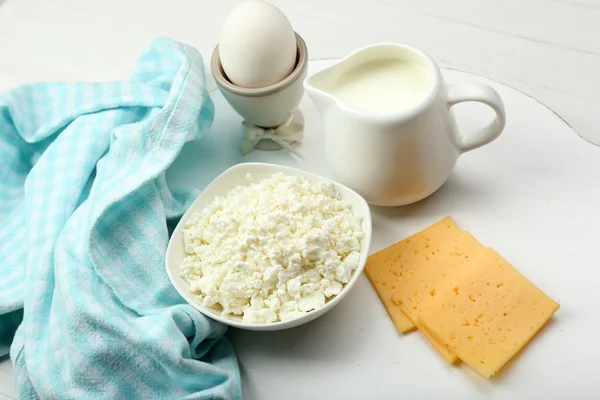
[
  {"x": 464, "y": 298},
  {"x": 389, "y": 268},
  {"x": 433, "y": 280},
  {"x": 494, "y": 313}
]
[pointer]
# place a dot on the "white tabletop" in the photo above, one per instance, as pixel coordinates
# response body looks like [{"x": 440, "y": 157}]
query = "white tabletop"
[
  {"x": 549, "y": 49},
  {"x": 529, "y": 195}
]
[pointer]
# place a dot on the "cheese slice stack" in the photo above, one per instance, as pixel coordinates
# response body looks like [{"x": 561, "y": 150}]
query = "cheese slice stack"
[
  {"x": 392, "y": 267},
  {"x": 465, "y": 299}
]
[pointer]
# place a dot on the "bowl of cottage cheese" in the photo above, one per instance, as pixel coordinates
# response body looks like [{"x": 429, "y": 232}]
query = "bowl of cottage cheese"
[{"x": 268, "y": 247}]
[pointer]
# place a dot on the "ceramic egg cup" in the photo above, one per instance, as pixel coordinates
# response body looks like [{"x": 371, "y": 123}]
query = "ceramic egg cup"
[{"x": 268, "y": 107}]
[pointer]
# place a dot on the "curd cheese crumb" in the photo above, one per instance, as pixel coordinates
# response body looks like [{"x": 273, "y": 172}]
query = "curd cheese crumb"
[{"x": 272, "y": 251}]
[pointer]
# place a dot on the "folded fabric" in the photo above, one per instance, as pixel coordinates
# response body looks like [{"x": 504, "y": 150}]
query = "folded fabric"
[{"x": 83, "y": 209}]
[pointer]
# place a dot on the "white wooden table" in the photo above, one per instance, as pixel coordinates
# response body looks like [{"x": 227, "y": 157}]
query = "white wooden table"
[{"x": 549, "y": 49}]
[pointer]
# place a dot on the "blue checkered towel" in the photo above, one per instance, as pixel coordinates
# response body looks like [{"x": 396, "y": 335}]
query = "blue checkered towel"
[{"x": 83, "y": 232}]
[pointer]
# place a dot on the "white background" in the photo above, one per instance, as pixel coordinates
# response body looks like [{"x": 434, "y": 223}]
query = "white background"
[{"x": 549, "y": 49}]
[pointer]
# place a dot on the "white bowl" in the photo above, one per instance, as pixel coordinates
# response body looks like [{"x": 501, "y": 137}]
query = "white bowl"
[{"x": 236, "y": 176}]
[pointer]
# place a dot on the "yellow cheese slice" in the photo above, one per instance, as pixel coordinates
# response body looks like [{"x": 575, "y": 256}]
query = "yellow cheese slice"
[
  {"x": 441, "y": 348},
  {"x": 388, "y": 268},
  {"x": 428, "y": 281},
  {"x": 494, "y": 312}
]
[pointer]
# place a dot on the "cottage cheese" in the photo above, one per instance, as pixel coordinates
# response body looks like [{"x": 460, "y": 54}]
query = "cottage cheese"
[{"x": 273, "y": 250}]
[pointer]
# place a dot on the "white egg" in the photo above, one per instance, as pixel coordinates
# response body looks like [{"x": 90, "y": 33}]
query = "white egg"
[{"x": 258, "y": 45}]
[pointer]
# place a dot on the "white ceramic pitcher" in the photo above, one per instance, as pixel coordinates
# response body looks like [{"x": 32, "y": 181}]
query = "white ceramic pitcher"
[{"x": 398, "y": 159}]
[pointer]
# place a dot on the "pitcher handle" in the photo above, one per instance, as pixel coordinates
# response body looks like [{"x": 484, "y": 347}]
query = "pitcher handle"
[{"x": 481, "y": 93}]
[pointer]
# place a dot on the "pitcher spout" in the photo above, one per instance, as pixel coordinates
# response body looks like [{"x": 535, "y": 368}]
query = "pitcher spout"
[
  {"x": 322, "y": 99},
  {"x": 320, "y": 85}
]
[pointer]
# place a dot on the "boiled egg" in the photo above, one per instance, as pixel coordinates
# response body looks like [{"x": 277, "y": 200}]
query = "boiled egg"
[{"x": 257, "y": 47}]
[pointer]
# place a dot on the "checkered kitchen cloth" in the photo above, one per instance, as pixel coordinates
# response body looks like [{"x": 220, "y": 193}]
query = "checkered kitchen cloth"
[{"x": 83, "y": 232}]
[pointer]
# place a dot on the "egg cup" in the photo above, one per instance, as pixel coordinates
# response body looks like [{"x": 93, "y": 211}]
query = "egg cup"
[{"x": 268, "y": 109}]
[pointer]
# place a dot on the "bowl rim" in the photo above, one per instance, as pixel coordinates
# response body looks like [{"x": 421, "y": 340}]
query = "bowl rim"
[
  {"x": 279, "y": 325},
  {"x": 225, "y": 84}
]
